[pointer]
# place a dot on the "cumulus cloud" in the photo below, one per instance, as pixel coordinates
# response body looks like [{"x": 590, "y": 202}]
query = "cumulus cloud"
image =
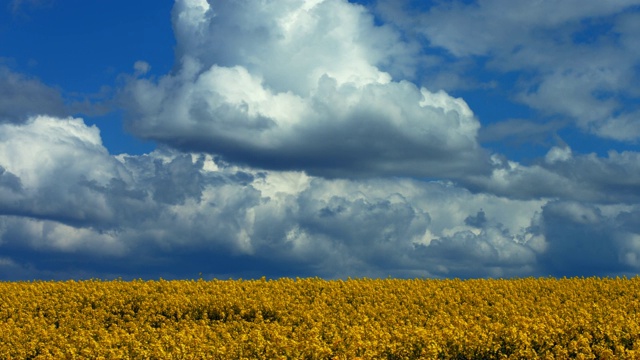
[
  {"x": 75, "y": 209},
  {"x": 304, "y": 86},
  {"x": 564, "y": 175},
  {"x": 570, "y": 59},
  {"x": 557, "y": 154},
  {"x": 49, "y": 166},
  {"x": 623, "y": 127},
  {"x": 178, "y": 214}
]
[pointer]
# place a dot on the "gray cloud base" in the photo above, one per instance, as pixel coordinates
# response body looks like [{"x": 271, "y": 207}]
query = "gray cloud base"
[{"x": 178, "y": 214}]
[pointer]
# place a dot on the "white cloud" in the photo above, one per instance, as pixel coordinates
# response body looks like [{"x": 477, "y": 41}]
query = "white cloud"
[
  {"x": 300, "y": 86},
  {"x": 54, "y": 163},
  {"x": 572, "y": 59},
  {"x": 52, "y": 236},
  {"x": 629, "y": 249},
  {"x": 141, "y": 67},
  {"x": 450, "y": 25},
  {"x": 291, "y": 44},
  {"x": 563, "y": 175},
  {"x": 556, "y": 154},
  {"x": 34, "y": 144},
  {"x": 625, "y": 127}
]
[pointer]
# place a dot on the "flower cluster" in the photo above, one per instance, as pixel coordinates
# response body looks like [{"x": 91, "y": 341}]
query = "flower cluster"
[{"x": 588, "y": 318}]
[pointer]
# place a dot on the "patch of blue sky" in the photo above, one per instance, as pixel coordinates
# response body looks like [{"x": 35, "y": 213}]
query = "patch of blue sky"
[{"x": 78, "y": 45}]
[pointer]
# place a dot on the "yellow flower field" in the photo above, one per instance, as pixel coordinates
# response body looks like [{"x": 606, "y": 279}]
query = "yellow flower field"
[{"x": 584, "y": 318}]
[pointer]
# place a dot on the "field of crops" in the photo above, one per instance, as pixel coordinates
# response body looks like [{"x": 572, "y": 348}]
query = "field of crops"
[{"x": 588, "y": 318}]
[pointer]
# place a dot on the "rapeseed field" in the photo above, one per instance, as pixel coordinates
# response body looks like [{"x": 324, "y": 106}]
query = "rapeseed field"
[{"x": 546, "y": 318}]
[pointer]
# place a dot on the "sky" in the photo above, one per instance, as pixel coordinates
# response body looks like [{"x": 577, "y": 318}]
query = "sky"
[{"x": 331, "y": 138}]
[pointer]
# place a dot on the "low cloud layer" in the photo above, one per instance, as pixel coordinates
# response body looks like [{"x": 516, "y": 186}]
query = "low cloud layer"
[{"x": 69, "y": 206}]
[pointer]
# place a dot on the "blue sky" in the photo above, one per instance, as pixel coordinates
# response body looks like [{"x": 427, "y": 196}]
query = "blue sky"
[{"x": 319, "y": 138}]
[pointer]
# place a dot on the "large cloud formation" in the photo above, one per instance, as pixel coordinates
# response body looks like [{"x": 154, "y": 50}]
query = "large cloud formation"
[
  {"x": 65, "y": 197},
  {"x": 293, "y": 145},
  {"x": 300, "y": 85},
  {"x": 68, "y": 207}
]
